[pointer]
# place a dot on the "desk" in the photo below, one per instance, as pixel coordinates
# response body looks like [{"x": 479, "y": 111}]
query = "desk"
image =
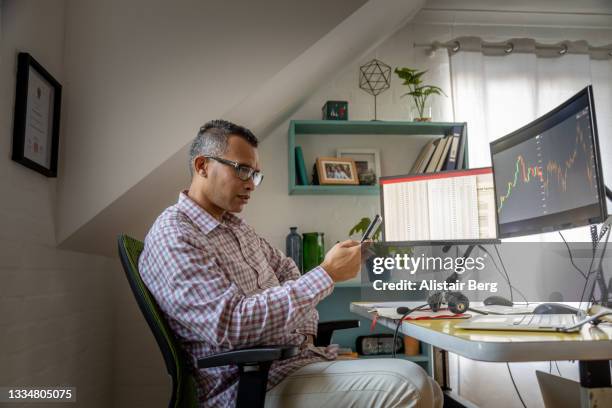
[{"x": 592, "y": 347}]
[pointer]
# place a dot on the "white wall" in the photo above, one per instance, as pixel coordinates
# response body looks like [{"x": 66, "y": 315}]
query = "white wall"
[
  {"x": 143, "y": 75},
  {"x": 262, "y": 110},
  {"x": 272, "y": 210},
  {"x": 55, "y": 313},
  {"x": 139, "y": 378},
  {"x": 131, "y": 76}
]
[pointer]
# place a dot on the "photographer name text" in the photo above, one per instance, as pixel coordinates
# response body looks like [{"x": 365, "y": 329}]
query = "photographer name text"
[{"x": 434, "y": 285}]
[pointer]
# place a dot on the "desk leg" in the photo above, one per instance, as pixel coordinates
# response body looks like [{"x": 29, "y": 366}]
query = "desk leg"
[
  {"x": 441, "y": 374},
  {"x": 440, "y": 368},
  {"x": 595, "y": 385}
]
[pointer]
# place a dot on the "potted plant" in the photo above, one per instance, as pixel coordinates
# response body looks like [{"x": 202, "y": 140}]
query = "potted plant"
[
  {"x": 362, "y": 226},
  {"x": 419, "y": 91},
  {"x": 377, "y": 250}
]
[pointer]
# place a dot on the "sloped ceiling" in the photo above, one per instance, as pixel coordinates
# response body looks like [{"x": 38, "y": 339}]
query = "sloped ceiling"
[
  {"x": 356, "y": 28},
  {"x": 134, "y": 210}
]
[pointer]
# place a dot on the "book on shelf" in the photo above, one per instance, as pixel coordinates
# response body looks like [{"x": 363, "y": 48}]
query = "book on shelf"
[
  {"x": 417, "y": 163},
  {"x": 433, "y": 163},
  {"x": 451, "y": 160},
  {"x": 300, "y": 167},
  {"x": 424, "y": 157},
  {"x": 461, "y": 152},
  {"x": 448, "y": 141}
]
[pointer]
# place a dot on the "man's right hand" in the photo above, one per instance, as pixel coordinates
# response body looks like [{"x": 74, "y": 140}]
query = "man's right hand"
[{"x": 343, "y": 261}]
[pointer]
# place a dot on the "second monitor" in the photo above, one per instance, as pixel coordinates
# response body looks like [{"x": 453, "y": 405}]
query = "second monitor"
[
  {"x": 451, "y": 206},
  {"x": 548, "y": 173}
]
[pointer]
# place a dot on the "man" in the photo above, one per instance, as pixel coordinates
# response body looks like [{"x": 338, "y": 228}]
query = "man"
[{"x": 223, "y": 287}]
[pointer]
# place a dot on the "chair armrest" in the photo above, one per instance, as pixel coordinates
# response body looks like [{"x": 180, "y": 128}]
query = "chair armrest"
[
  {"x": 248, "y": 356},
  {"x": 326, "y": 329},
  {"x": 338, "y": 325}
]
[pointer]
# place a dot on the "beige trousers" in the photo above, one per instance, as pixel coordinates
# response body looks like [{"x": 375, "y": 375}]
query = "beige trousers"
[{"x": 357, "y": 383}]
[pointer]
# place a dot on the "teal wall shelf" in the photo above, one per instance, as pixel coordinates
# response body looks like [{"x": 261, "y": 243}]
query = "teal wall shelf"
[
  {"x": 328, "y": 127},
  {"x": 339, "y": 190},
  {"x": 336, "y": 306}
]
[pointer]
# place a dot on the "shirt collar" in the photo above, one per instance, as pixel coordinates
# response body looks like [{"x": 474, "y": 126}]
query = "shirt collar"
[{"x": 202, "y": 218}]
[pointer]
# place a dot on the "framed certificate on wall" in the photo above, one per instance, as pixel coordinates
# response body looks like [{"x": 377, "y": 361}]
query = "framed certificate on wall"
[{"x": 37, "y": 115}]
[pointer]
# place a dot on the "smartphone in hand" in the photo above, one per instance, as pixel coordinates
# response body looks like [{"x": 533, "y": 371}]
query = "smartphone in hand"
[{"x": 371, "y": 228}]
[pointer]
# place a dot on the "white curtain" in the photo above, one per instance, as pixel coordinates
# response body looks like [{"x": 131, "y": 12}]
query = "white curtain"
[{"x": 496, "y": 94}]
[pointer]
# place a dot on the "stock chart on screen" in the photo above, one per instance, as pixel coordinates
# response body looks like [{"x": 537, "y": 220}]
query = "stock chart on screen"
[
  {"x": 547, "y": 174},
  {"x": 550, "y": 173}
]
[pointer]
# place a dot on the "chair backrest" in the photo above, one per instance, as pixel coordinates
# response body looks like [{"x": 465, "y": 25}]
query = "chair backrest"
[{"x": 184, "y": 391}]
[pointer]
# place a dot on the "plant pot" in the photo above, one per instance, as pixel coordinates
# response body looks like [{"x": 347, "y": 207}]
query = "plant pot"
[{"x": 421, "y": 116}]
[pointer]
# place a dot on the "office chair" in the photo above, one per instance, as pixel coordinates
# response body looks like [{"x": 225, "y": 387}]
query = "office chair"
[{"x": 253, "y": 363}]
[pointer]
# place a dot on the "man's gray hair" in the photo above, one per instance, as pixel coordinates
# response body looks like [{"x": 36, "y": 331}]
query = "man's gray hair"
[{"x": 212, "y": 139}]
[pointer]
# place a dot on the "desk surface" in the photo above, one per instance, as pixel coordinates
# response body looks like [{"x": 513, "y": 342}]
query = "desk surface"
[{"x": 591, "y": 343}]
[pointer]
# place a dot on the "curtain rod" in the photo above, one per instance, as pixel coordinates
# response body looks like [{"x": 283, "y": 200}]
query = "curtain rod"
[{"x": 510, "y": 45}]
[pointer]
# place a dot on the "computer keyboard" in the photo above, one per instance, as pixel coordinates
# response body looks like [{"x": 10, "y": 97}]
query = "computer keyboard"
[{"x": 545, "y": 320}]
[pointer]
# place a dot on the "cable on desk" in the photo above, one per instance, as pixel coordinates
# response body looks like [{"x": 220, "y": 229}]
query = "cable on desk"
[
  {"x": 399, "y": 322},
  {"x": 469, "y": 309},
  {"x": 569, "y": 251},
  {"x": 559, "y": 371},
  {"x": 505, "y": 271},
  {"x": 596, "y": 240},
  {"x": 586, "y": 283},
  {"x": 515, "y": 387},
  {"x": 607, "y": 234},
  {"x": 601, "y": 258},
  {"x": 507, "y": 279}
]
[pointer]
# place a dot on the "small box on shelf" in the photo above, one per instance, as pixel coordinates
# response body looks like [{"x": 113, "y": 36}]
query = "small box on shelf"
[{"x": 335, "y": 110}]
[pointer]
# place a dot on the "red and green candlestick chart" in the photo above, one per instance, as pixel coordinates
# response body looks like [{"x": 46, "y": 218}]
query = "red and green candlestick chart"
[{"x": 553, "y": 171}]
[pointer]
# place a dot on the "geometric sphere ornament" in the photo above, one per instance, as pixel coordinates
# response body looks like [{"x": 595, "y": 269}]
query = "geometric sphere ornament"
[{"x": 374, "y": 78}]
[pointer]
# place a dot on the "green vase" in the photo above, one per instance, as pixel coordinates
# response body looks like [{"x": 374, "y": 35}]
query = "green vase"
[{"x": 313, "y": 250}]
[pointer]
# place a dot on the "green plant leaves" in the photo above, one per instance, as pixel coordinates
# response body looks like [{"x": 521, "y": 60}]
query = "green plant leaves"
[
  {"x": 419, "y": 92},
  {"x": 410, "y": 76},
  {"x": 362, "y": 226}
]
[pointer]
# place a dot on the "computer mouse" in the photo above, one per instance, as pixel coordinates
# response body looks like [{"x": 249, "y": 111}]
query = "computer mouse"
[
  {"x": 498, "y": 301},
  {"x": 554, "y": 308}
]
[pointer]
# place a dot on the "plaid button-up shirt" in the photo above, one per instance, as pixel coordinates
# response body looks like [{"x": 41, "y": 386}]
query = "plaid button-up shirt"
[{"x": 222, "y": 287}]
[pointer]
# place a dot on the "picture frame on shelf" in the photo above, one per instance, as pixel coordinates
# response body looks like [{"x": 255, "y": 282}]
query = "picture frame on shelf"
[
  {"x": 36, "y": 121},
  {"x": 367, "y": 161},
  {"x": 335, "y": 171}
]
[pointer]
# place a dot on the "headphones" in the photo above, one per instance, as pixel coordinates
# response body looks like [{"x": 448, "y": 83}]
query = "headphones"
[{"x": 457, "y": 302}]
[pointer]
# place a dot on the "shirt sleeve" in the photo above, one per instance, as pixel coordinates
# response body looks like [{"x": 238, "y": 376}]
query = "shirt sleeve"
[
  {"x": 200, "y": 297},
  {"x": 285, "y": 269},
  {"x": 310, "y": 324}
]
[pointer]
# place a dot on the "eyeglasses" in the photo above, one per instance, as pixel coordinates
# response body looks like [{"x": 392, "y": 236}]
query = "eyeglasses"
[{"x": 243, "y": 172}]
